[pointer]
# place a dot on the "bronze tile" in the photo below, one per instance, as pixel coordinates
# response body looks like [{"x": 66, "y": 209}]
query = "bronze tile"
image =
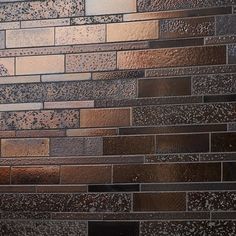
[
  {"x": 4, "y": 175},
  {"x": 39, "y": 133},
  {"x": 183, "y": 143},
  {"x": 85, "y": 174},
  {"x": 24, "y": 147},
  {"x": 35, "y": 175},
  {"x": 150, "y": 173},
  {"x": 104, "y": 117},
  {"x": 223, "y": 142},
  {"x": 61, "y": 188},
  {"x": 164, "y": 87},
  {"x": 91, "y": 132},
  {"x": 128, "y": 145},
  {"x": 171, "y": 57},
  {"x": 159, "y": 202}
]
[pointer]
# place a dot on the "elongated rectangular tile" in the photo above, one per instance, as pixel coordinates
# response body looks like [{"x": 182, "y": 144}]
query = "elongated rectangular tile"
[
  {"x": 114, "y": 188},
  {"x": 159, "y": 5},
  {"x": 24, "y": 147},
  {"x": 19, "y": 79},
  {"x": 39, "y": 120},
  {"x": 109, "y": 7},
  {"x": 40, "y": 10},
  {"x": 212, "y": 201},
  {"x": 91, "y": 62},
  {"x": 21, "y": 106},
  {"x": 85, "y": 174},
  {"x": 91, "y": 132},
  {"x": 214, "y": 84},
  {"x": 225, "y": 24},
  {"x": 40, "y": 64},
  {"x": 159, "y": 201},
  {"x": 35, "y": 175},
  {"x": 231, "y": 54},
  {"x": 80, "y": 35},
  {"x": 171, "y": 57},
  {"x": 66, "y": 77},
  {"x": 2, "y": 39},
  {"x": 177, "y": 14},
  {"x": 68, "y": 104},
  {"x": 7, "y": 66},
  {"x": 61, "y": 188},
  {"x": 113, "y": 228},
  {"x": 45, "y": 23},
  {"x": 184, "y": 114},
  {"x": 150, "y": 173},
  {"x": 39, "y": 133},
  {"x": 29, "y": 37},
  {"x": 102, "y": 202},
  {"x": 182, "y": 28},
  {"x": 179, "y": 227},
  {"x": 185, "y": 143},
  {"x": 223, "y": 142},
  {"x": 132, "y": 31},
  {"x": 9, "y": 25},
  {"x": 164, "y": 87},
  {"x": 104, "y": 117},
  {"x": 128, "y": 145},
  {"x": 96, "y": 19},
  {"x": 220, "y": 39},
  {"x": 76, "y": 146}
]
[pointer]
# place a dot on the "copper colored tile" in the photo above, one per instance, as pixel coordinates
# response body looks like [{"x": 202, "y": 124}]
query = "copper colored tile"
[
  {"x": 164, "y": 87},
  {"x": 24, "y": 147},
  {"x": 171, "y": 57},
  {"x": 17, "y": 188},
  {"x": 39, "y": 133},
  {"x": 151, "y": 173},
  {"x": 68, "y": 104},
  {"x": 35, "y": 175},
  {"x": 91, "y": 132},
  {"x": 132, "y": 31},
  {"x": 61, "y": 188},
  {"x": 159, "y": 202},
  {"x": 128, "y": 145},
  {"x": 85, "y": 174},
  {"x": 104, "y": 117},
  {"x": 4, "y": 175},
  {"x": 7, "y": 134}
]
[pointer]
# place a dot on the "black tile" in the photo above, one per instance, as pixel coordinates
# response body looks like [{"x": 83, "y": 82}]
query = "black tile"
[
  {"x": 229, "y": 171},
  {"x": 224, "y": 98},
  {"x": 113, "y": 228},
  {"x": 114, "y": 188}
]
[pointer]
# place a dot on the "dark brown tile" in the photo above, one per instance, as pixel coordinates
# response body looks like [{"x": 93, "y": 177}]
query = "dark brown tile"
[
  {"x": 128, "y": 145},
  {"x": 183, "y": 143},
  {"x": 159, "y": 201},
  {"x": 223, "y": 215},
  {"x": 223, "y": 142},
  {"x": 4, "y": 175},
  {"x": 229, "y": 171},
  {"x": 61, "y": 188},
  {"x": 164, "y": 87},
  {"x": 176, "y": 43},
  {"x": 160, "y": 58},
  {"x": 76, "y": 216},
  {"x": 17, "y": 188},
  {"x": 114, "y": 188},
  {"x": 220, "y": 98},
  {"x": 113, "y": 228},
  {"x": 172, "y": 129},
  {"x": 35, "y": 175},
  {"x": 151, "y": 173},
  {"x": 39, "y": 133},
  {"x": 85, "y": 174},
  {"x": 188, "y": 27}
]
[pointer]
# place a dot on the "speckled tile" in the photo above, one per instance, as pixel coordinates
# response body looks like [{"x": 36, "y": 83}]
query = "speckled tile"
[
  {"x": 32, "y": 10},
  {"x": 214, "y": 84},
  {"x": 91, "y": 62},
  {"x": 212, "y": 201},
  {"x": 193, "y": 228},
  {"x": 159, "y": 5},
  {"x": 39, "y": 120},
  {"x": 232, "y": 54},
  {"x": 184, "y": 114},
  {"x": 112, "y": 202},
  {"x": 191, "y": 27},
  {"x": 220, "y": 39},
  {"x": 165, "y": 72},
  {"x": 25, "y": 215},
  {"x": 225, "y": 25},
  {"x": 76, "y": 146},
  {"x": 97, "y": 19}
]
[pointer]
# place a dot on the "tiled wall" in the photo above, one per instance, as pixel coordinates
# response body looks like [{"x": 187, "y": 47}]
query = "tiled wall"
[{"x": 118, "y": 117}]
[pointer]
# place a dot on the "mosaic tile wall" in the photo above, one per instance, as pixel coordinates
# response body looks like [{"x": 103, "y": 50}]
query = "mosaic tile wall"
[{"x": 118, "y": 117}]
